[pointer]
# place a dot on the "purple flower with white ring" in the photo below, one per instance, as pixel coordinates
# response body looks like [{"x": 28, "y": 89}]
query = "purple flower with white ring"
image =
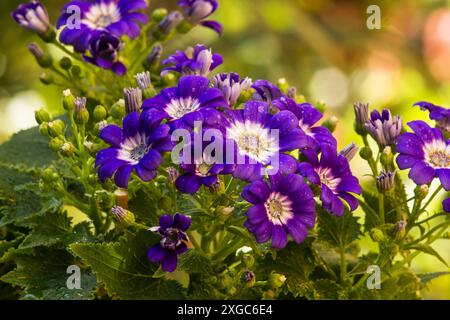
[
  {"x": 137, "y": 146},
  {"x": 196, "y": 61},
  {"x": 196, "y": 11},
  {"x": 116, "y": 17},
  {"x": 257, "y": 144},
  {"x": 174, "y": 241},
  {"x": 231, "y": 85},
  {"x": 104, "y": 51},
  {"x": 384, "y": 128},
  {"x": 426, "y": 152},
  {"x": 286, "y": 207},
  {"x": 266, "y": 91},
  {"x": 332, "y": 173},
  {"x": 307, "y": 116},
  {"x": 437, "y": 113},
  {"x": 192, "y": 100},
  {"x": 32, "y": 16}
]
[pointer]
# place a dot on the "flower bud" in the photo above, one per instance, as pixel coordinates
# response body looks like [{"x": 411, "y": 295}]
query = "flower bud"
[
  {"x": 365, "y": 153},
  {"x": 361, "y": 117},
  {"x": 56, "y": 128},
  {"x": 81, "y": 112},
  {"x": 123, "y": 216},
  {"x": 133, "y": 99},
  {"x": 168, "y": 24},
  {"x": 400, "y": 229},
  {"x": 68, "y": 149},
  {"x": 385, "y": 181},
  {"x": 268, "y": 295},
  {"x": 41, "y": 116},
  {"x": 283, "y": 84},
  {"x": 331, "y": 123},
  {"x": 349, "y": 151},
  {"x": 172, "y": 174},
  {"x": 159, "y": 14},
  {"x": 49, "y": 175},
  {"x": 377, "y": 235},
  {"x": 292, "y": 93},
  {"x": 168, "y": 80},
  {"x": 46, "y": 78},
  {"x": 387, "y": 158},
  {"x": 68, "y": 100},
  {"x": 55, "y": 144},
  {"x": 276, "y": 280},
  {"x": 76, "y": 72},
  {"x": 118, "y": 110},
  {"x": 145, "y": 84},
  {"x": 42, "y": 58},
  {"x": 43, "y": 129},
  {"x": 154, "y": 58},
  {"x": 100, "y": 113},
  {"x": 249, "y": 278},
  {"x": 184, "y": 27},
  {"x": 421, "y": 192},
  {"x": 65, "y": 63}
]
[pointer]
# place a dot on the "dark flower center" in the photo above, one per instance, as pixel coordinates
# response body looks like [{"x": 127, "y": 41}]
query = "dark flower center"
[
  {"x": 139, "y": 152},
  {"x": 203, "y": 169},
  {"x": 275, "y": 209},
  {"x": 171, "y": 238}
]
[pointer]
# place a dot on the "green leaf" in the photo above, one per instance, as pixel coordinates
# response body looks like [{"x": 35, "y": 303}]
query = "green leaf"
[
  {"x": 194, "y": 262},
  {"x": 42, "y": 272},
  {"x": 125, "y": 270},
  {"x": 429, "y": 250},
  {"x": 428, "y": 277},
  {"x": 325, "y": 289}
]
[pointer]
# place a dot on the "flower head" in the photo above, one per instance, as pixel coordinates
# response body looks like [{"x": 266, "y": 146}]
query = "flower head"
[
  {"x": 143, "y": 80},
  {"x": 114, "y": 17},
  {"x": 231, "y": 85},
  {"x": 361, "y": 117},
  {"x": 32, "y": 16},
  {"x": 439, "y": 114},
  {"x": 104, "y": 50},
  {"x": 332, "y": 173},
  {"x": 384, "y": 128},
  {"x": 266, "y": 91},
  {"x": 137, "y": 146},
  {"x": 349, "y": 151},
  {"x": 196, "y": 11},
  {"x": 174, "y": 241},
  {"x": 285, "y": 207},
  {"x": 385, "y": 181},
  {"x": 198, "y": 61},
  {"x": 133, "y": 99},
  {"x": 426, "y": 152},
  {"x": 192, "y": 100}
]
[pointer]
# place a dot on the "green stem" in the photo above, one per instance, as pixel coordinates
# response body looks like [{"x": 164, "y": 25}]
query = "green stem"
[
  {"x": 381, "y": 207},
  {"x": 195, "y": 242},
  {"x": 435, "y": 193},
  {"x": 343, "y": 265},
  {"x": 372, "y": 163}
]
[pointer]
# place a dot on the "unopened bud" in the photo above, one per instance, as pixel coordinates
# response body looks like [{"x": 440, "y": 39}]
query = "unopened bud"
[
  {"x": 133, "y": 99},
  {"x": 421, "y": 192},
  {"x": 283, "y": 84},
  {"x": 377, "y": 235},
  {"x": 168, "y": 24},
  {"x": 100, "y": 113},
  {"x": 55, "y": 144},
  {"x": 400, "y": 229},
  {"x": 118, "y": 110},
  {"x": 349, "y": 151},
  {"x": 43, "y": 129},
  {"x": 159, "y": 14},
  {"x": 385, "y": 181},
  {"x": 65, "y": 63},
  {"x": 268, "y": 295},
  {"x": 331, "y": 123},
  {"x": 361, "y": 117},
  {"x": 49, "y": 175},
  {"x": 41, "y": 116},
  {"x": 76, "y": 72},
  {"x": 81, "y": 112},
  {"x": 42, "y": 58},
  {"x": 68, "y": 149},
  {"x": 276, "y": 280},
  {"x": 122, "y": 215},
  {"x": 387, "y": 158},
  {"x": 56, "y": 128},
  {"x": 168, "y": 80},
  {"x": 68, "y": 100},
  {"x": 154, "y": 58},
  {"x": 46, "y": 78},
  {"x": 365, "y": 153}
]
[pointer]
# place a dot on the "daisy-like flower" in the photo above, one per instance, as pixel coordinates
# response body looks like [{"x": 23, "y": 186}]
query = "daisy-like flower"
[
  {"x": 192, "y": 100},
  {"x": 34, "y": 17},
  {"x": 116, "y": 17},
  {"x": 198, "y": 61},
  {"x": 174, "y": 241},
  {"x": 266, "y": 91},
  {"x": 104, "y": 51},
  {"x": 285, "y": 207},
  {"x": 439, "y": 114},
  {"x": 258, "y": 145},
  {"x": 332, "y": 173},
  {"x": 138, "y": 146},
  {"x": 426, "y": 152},
  {"x": 231, "y": 85},
  {"x": 307, "y": 116},
  {"x": 196, "y": 11},
  {"x": 384, "y": 128}
]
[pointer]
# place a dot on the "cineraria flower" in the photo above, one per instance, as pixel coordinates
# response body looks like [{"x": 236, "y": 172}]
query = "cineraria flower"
[
  {"x": 196, "y": 11},
  {"x": 286, "y": 207},
  {"x": 104, "y": 51},
  {"x": 174, "y": 241},
  {"x": 426, "y": 152},
  {"x": 261, "y": 139},
  {"x": 307, "y": 116},
  {"x": 192, "y": 100},
  {"x": 334, "y": 176},
  {"x": 437, "y": 113},
  {"x": 198, "y": 61},
  {"x": 231, "y": 86},
  {"x": 137, "y": 146},
  {"x": 384, "y": 128},
  {"x": 33, "y": 16},
  {"x": 266, "y": 91},
  {"x": 115, "y": 17}
]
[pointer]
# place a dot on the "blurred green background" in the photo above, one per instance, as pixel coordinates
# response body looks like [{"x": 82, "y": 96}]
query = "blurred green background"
[{"x": 323, "y": 47}]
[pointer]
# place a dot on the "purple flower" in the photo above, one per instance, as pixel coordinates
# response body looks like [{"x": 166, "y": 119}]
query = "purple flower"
[
  {"x": 174, "y": 241},
  {"x": 117, "y": 17},
  {"x": 426, "y": 152},
  {"x": 192, "y": 100},
  {"x": 196, "y": 11},
  {"x": 137, "y": 146},
  {"x": 437, "y": 113},
  {"x": 307, "y": 116},
  {"x": 334, "y": 176},
  {"x": 198, "y": 61},
  {"x": 32, "y": 16},
  {"x": 104, "y": 50},
  {"x": 446, "y": 205},
  {"x": 266, "y": 91},
  {"x": 231, "y": 86},
  {"x": 260, "y": 139},
  {"x": 286, "y": 207},
  {"x": 384, "y": 128}
]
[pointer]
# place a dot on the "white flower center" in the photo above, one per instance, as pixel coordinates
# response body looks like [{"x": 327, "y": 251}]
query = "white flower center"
[
  {"x": 134, "y": 149},
  {"x": 327, "y": 178},
  {"x": 437, "y": 154},
  {"x": 278, "y": 208},
  {"x": 102, "y": 15},
  {"x": 177, "y": 108},
  {"x": 253, "y": 140}
]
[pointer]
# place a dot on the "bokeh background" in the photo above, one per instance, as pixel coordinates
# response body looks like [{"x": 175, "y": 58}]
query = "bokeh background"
[{"x": 323, "y": 47}]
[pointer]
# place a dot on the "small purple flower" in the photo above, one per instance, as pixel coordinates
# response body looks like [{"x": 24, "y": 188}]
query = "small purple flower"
[
  {"x": 446, "y": 205},
  {"x": 266, "y": 91},
  {"x": 197, "y": 61},
  {"x": 137, "y": 146},
  {"x": 192, "y": 100},
  {"x": 439, "y": 114},
  {"x": 104, "y": 50},
  {"x": 196, "y": 11},
  {"x": 384, "y": 128},
  {"x": 334, "y": 176},
  {"x": 426, "y": 152},
  {"x": 116, "y": 17},
  {"x": 307, "y": 116},
  {"x": 261, "y": 139},
  {"x": 174, "y": 241},
  {"x": 286, "y": 207},
  {"x": 231, "y": 86},
  {"x": 32, "y": 16}
]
